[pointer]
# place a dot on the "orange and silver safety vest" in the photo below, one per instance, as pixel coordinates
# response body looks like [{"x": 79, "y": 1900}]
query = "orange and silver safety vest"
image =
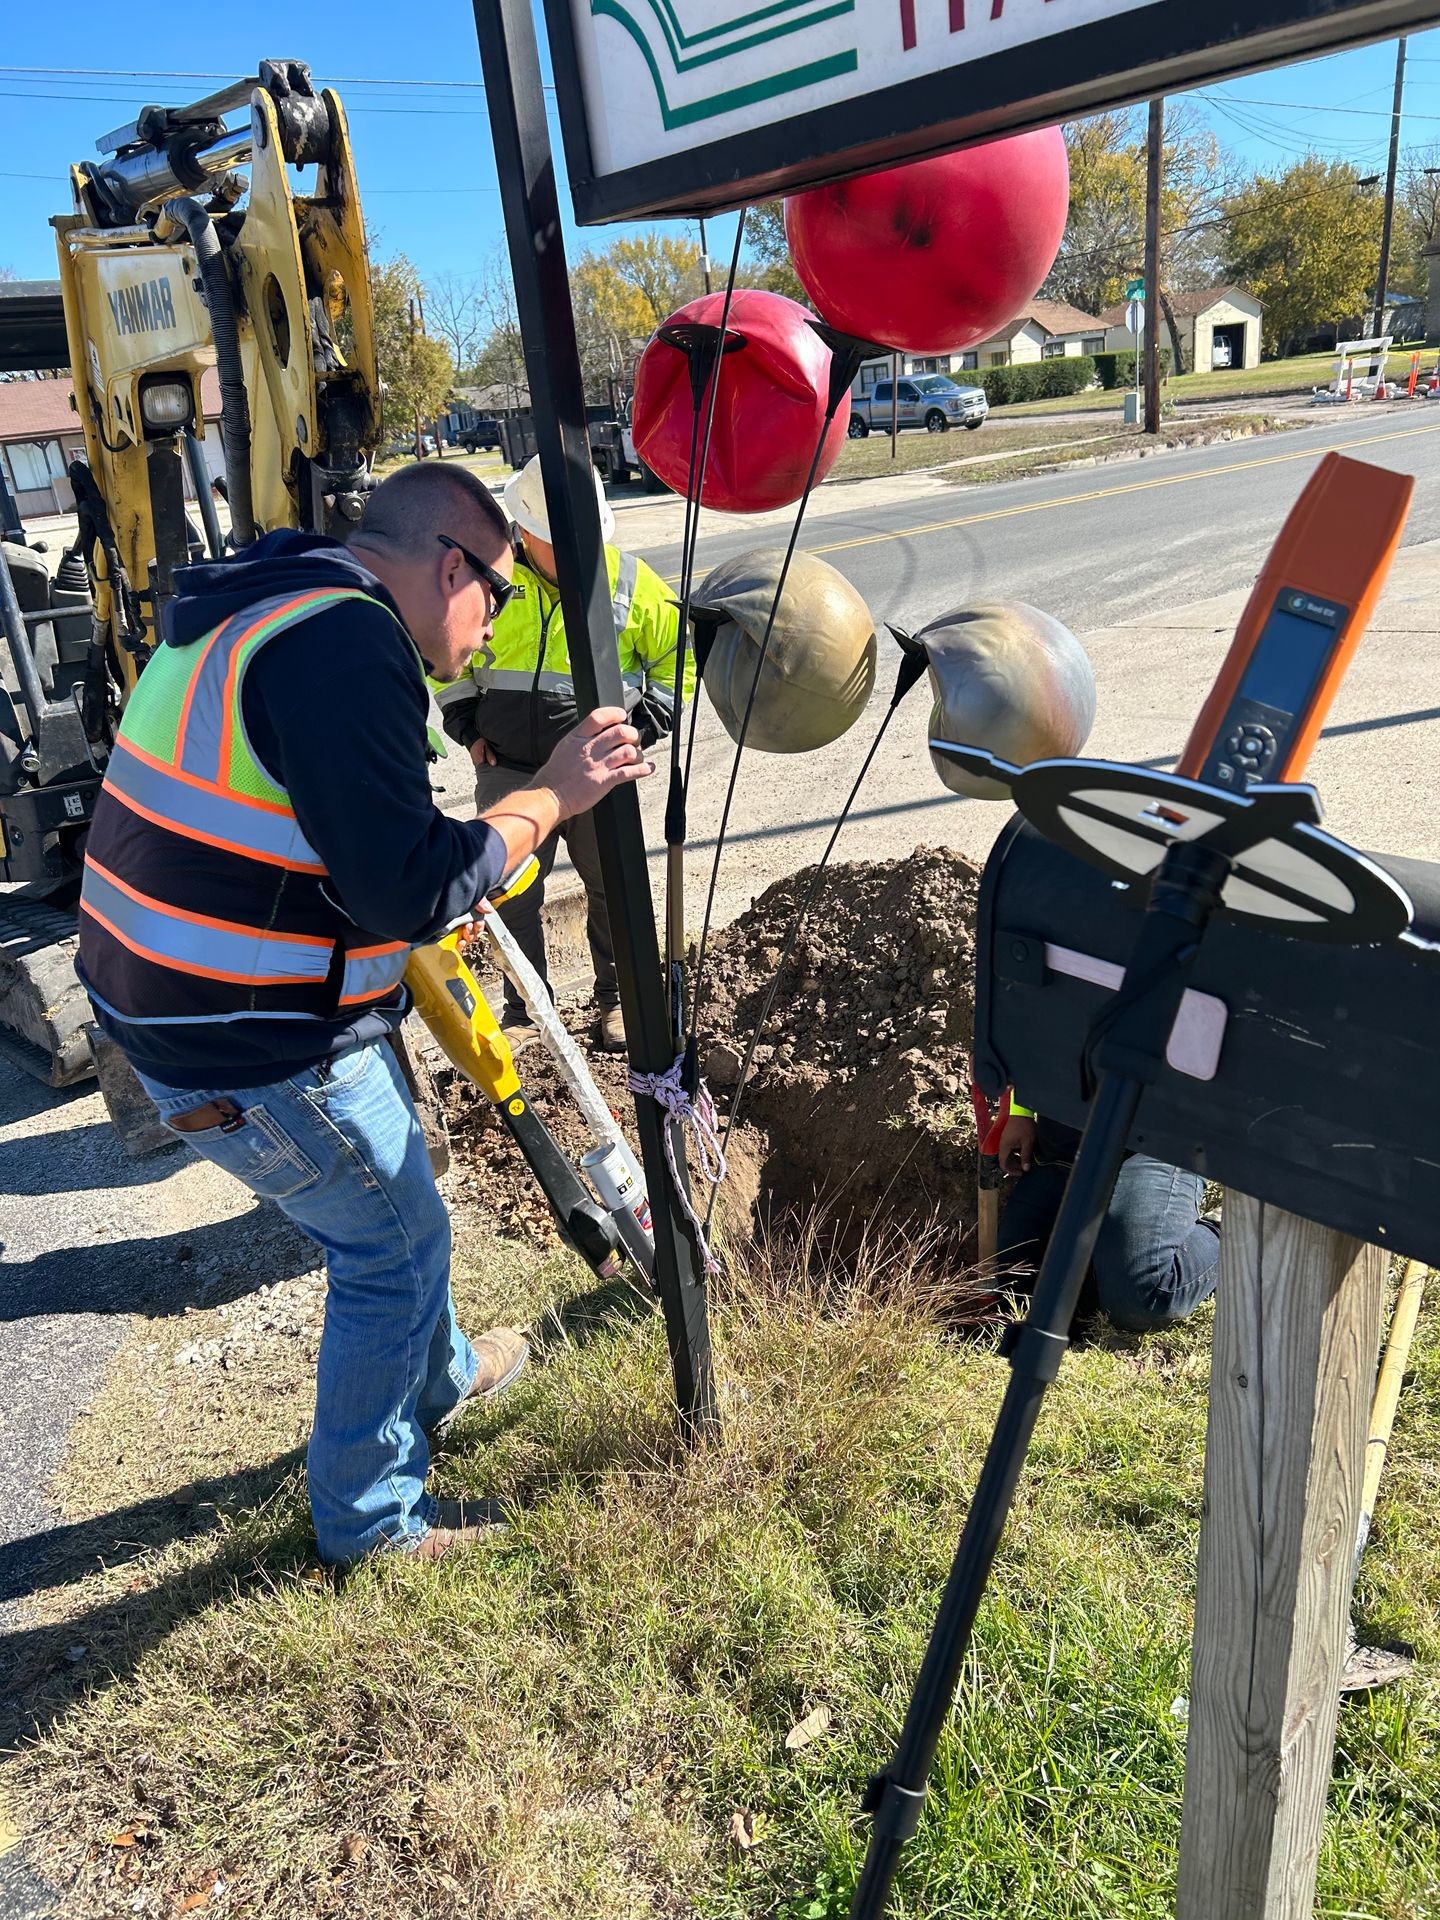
[{"x": 202, "y": 899}]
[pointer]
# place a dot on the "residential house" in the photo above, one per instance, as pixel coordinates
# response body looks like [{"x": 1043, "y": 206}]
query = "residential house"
[
  {"x": 1046, "y": 330},
  {"x": 40, "y": 434},
  {"x": 1219, "y": 327}
]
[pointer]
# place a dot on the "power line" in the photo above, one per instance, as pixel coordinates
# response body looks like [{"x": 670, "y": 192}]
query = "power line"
[
  {"x": 161, "y": 73},
  {"x": 1301, "y": 106}
]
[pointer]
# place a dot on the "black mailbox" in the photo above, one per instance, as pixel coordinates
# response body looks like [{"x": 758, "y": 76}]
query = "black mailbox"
[{"x": 1307, "y": 1075}]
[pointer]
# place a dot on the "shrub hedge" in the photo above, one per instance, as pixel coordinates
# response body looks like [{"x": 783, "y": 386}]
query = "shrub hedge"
[{"x": 1038, "y": 380}]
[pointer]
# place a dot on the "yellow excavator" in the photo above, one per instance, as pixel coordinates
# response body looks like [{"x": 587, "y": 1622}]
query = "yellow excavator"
[{"x": 190, "y": 248}]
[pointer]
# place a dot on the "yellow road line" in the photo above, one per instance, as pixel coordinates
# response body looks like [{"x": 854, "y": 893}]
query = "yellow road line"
[{"x": 1107, "y": 493}]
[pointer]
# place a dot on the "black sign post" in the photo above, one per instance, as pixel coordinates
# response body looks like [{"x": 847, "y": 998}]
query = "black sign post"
[{"x": 530, "y": 197}]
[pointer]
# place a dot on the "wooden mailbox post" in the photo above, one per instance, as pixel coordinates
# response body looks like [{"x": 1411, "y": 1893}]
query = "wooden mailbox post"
[{"x": 1297, "y": 1330}]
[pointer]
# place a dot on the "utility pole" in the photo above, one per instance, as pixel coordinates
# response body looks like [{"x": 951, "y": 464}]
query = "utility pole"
[
  {"x": 1390, "y": 171},
  {"x": 705, "y": 257},
  {"x": 419, "y": 433},
  {"x": 1154, "y": 160},
  {"x": 435, "y": 423}
]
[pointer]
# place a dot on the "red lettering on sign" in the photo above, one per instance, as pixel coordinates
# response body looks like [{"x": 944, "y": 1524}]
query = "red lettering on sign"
[{"x": 908, "y": 34}]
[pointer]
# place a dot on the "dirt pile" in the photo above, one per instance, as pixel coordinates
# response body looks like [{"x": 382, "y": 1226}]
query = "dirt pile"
[
  {"x": 859, "y": 1096},
  {"x": 861, "y": 1080}
]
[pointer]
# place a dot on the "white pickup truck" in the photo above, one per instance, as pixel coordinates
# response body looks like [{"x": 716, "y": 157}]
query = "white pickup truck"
[{"x": 928, "y": 400}]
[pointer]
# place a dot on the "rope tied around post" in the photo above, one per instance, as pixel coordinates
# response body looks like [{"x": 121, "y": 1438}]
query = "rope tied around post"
[{"x": 697, "y": 1112}]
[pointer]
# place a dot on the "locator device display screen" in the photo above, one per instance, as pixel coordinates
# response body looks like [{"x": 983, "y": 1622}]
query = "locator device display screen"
[{"x": 1288, "y": 661}]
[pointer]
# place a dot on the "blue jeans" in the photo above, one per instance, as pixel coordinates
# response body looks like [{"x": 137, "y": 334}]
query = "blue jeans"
[
  {"x": 339, "y": 1149},
  {"x": 1155, "y": 1260}
]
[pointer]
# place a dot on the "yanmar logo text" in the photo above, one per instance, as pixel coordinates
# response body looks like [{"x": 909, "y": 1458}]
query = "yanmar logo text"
[{"x": 146, "y": 307}]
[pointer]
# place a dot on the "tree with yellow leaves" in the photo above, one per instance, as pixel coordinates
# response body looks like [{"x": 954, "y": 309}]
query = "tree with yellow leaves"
[{"x": 1306, "y": 243}]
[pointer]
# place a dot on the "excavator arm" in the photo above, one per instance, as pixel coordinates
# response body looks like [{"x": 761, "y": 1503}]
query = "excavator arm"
[{"x": 189, "y": 258}]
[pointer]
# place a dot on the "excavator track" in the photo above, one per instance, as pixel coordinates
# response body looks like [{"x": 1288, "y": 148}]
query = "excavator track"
[{"x": 44, "y": 1014}]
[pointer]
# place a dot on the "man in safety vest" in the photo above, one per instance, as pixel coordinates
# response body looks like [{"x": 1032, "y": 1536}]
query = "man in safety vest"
[
  {"x": 264, "y": 854},
  {"x": 518, "y": 699}
]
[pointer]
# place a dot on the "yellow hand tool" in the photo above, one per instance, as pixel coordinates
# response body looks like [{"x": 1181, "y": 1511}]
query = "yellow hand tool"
[{"x": 449, "y": 1000}]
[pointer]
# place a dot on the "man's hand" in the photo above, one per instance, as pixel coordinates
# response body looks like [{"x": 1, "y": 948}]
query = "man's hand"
[
  {"x": 482, "y": 753},
  {"x": 1017, "y": 1144},
  {"x": 602, "y": 753}
]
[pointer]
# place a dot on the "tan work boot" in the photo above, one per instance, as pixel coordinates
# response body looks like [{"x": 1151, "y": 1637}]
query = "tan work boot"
[
  {"x": 500, "y": 1357},
  {"x": 610, "y": 1030},
  {"x": 459, "y": 1523},
  {"x": 518, "y": 1028}
]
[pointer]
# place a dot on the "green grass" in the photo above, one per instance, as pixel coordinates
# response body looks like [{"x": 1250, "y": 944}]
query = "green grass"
[
  {"x": 566, "y": 1722},
  {"x": 1271, "y": 379},
  {"x": 1094, "y": 447},
  {"x": 916, "y": 449}
]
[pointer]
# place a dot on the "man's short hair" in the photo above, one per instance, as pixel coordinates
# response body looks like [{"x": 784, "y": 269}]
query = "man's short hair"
[{"x": 405, "y": 512}]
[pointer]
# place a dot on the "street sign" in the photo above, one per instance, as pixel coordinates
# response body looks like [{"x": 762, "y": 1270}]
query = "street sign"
[
  {"x": 673, "y": 106},
  {"x": 1135, "y": 290},
  {"x": 1135, "y": 318}
]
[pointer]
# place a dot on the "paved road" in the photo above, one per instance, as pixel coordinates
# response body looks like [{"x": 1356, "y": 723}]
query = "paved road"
[
  {"x": 1122, "y": 553},
  {"x": 1102, "y": 545}
]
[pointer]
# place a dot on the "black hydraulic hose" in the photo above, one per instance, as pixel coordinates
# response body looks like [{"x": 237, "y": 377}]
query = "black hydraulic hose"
[
  {"x": 234, "y": 405},
  {"x": 204, "y": 498},
  {"x": 12, "y": 625}
]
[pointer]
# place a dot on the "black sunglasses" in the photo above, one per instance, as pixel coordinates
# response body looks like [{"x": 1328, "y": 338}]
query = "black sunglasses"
[{"x": 502, "y": 591}]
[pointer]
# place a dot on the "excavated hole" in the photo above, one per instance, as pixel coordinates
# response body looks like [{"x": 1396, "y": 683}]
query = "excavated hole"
[
  {"x": 858, "y": 1104},
  {"x": 858, "y": 1101}
]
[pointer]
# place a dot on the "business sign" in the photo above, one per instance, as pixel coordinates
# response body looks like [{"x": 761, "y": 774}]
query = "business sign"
[{"x": 673, "y": 106}]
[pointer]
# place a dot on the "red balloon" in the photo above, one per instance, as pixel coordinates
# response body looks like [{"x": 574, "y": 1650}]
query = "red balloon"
[
  {"x": 939, "y": 254},
  {"x": 768, "y": 414}
]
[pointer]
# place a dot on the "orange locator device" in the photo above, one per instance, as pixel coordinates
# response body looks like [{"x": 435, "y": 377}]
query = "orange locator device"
[{"x": 1301, "y": 626}]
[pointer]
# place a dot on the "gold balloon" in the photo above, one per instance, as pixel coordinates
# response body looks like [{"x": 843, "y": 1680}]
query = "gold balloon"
[
  {"x": 819, "y": 669},
  {"x": 1010, "y": 680}
]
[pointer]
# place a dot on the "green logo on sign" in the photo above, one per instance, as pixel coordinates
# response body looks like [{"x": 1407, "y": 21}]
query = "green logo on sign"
[{"x": 671, "y": 52}]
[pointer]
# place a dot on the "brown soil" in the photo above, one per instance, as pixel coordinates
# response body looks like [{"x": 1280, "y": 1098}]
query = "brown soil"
[
  {"x": 479, "y": 1138},
  {"x": 858, "y": 1100},
  {"x": 860, "y": 1086}
]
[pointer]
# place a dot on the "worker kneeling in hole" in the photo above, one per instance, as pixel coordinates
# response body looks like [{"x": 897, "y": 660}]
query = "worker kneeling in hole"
[
  {"x": 264, "y": 855},
  {"x": 518, "y": 698},
  {"x": 1155, "y": 1260}
]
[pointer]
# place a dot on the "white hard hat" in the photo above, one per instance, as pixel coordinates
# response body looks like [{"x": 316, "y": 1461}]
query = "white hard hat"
[{"x": 525, "y": 502}]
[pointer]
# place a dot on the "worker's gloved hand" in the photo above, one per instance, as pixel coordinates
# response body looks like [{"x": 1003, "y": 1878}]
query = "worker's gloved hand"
[
  {"x": 652, "y": 712},
  {"x": 1017, "y": 1144},
  {"x": 603, "y": 752}
]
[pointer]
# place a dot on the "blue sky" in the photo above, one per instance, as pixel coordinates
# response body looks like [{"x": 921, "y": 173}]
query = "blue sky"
[{"x": 409, "y": 77}]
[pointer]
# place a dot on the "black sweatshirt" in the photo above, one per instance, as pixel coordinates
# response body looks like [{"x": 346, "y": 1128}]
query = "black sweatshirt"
[{"x": 335, "y": 710}]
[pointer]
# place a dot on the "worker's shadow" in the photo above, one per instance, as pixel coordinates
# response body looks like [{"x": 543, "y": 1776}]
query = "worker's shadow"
[
  {"x": 197, "y": 1266},
  {"x": 51, "y": 1665}
]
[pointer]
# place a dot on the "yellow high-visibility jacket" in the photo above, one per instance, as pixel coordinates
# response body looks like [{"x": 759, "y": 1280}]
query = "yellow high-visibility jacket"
[{"x": 519, "y": 694}]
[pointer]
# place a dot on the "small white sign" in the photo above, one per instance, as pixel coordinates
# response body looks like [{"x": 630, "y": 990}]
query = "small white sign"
[{"x": 1135, "y": 317}]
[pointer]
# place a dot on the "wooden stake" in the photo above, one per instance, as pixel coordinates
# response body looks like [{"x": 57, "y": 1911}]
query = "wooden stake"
[{"x": 1297, "y": 1329}]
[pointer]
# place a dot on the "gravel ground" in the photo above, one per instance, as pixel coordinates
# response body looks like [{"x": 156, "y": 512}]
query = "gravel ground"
[{"x": 90, "y": 1238}]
